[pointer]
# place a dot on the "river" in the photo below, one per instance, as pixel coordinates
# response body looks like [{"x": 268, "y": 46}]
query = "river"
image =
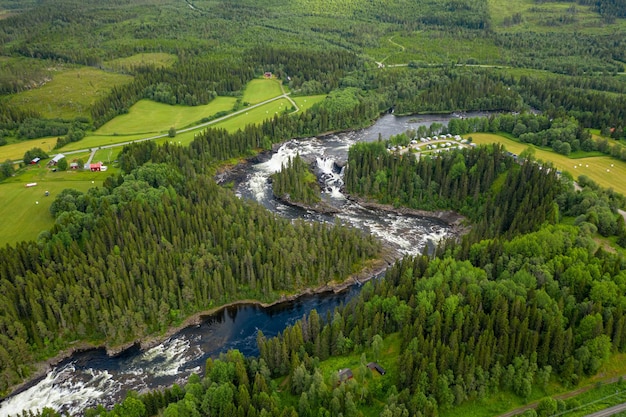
[{"x": 90, "y": 378}]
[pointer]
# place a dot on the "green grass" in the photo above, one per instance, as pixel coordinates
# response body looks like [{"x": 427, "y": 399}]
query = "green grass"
[
  {"x": 254, "y": 116},
  {"x": 95, "y": 141},
  {"x": 15, "y": 151},
  {"x": 259, "y": 90},
  {"x": 156, "y": 59},
  {"x": 425, "y": 47},
  {"x": 306, "y": 102},
  {"x": 535, "y": 15},
  {"x": 70, "y": 93},
  {"x": 604, "y": 170},
  {"x": 23, "y": 218},
  {"x": 147, "y": 117}
]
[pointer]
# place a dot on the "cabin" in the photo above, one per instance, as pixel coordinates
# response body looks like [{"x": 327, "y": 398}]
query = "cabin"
[
  {"x": 375, "y": 366},
  {"x": 97, "y": 167},
  {"x": 268, "y": 74},
  {"x": 56, "y": 159},
  {"x": 345, "y": 374}
]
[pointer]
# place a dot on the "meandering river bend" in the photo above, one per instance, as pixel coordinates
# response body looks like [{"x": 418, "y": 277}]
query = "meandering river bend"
[{"x": 90, "y": 378}]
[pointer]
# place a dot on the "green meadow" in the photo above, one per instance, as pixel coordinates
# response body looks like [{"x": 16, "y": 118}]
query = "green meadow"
[
  {"x": 15, "y": 151},
  {"x": 70, "y": 93},
  {"x": 306, "y": 102},
  {"x": 259, "y": 90},
  {"x": 147, "y": 116},
  {"x": 604, "y": 170},
  {"x": 255, "y": 116},
  {"x": 155, "y": 59},
  {"x": 28, "y": 207}
]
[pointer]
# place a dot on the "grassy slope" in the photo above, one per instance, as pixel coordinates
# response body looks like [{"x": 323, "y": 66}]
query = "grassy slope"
[
  {"x": 148, "y": 116},
  {"x": 15, "y": 151},
  {"x": 260, "y": 90},
  {"x": 604, "y": 170},
  {"x": 70, "y": 93}
]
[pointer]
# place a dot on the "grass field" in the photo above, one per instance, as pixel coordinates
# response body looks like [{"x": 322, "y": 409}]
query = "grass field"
[
  {"x": 604, "y": 170},
  {"x": 255, "y": 116},
  {"x": 259, "y": 90},
  {"x": 147, "y": 116},
  {"x": 70, "y": 93},
  {"x": 27, "y": 218},
  {"x": 15, "y": 151},
  {"x": 156, "y": 59},
  {"x": 306, "y": 102}
]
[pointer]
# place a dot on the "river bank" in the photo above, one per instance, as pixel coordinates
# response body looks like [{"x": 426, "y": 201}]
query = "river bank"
[{"x": 372, "y": 269}]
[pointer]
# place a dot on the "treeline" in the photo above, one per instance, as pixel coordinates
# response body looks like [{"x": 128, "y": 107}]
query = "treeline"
[
  {"x": 464, "y": 181},
  {"x": 139, "y": 255},
  {"x": 510, "y": 317},
  {"x": 190, "y": 82},
  {"x": 323, "y": 69},
  {"x": 296, "y": 183},
  {"x": 340, "y": 111},
  {"x": 513, "y": 315}
]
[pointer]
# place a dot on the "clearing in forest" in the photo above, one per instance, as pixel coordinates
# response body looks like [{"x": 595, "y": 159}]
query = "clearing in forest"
[
  {"x": 604, "y": 170},
  {"x": 70, "y": 93}
]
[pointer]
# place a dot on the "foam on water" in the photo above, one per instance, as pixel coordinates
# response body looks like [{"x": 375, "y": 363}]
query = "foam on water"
[{"x": 63, "y": 392}]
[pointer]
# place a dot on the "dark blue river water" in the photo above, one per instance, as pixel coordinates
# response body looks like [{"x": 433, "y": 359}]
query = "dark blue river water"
[{"x": 90, "y": 378}]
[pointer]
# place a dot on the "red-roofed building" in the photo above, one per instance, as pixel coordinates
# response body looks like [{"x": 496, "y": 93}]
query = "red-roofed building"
[{"x": 95, "y": 167}]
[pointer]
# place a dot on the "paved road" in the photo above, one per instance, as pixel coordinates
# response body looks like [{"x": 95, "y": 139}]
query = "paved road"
[
  {"x": 189, "y": 129},
  {"x": 609, "y": 411}
]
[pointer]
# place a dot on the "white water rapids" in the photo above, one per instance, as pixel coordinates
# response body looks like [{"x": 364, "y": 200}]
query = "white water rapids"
[{"x": 91, "y": 378}]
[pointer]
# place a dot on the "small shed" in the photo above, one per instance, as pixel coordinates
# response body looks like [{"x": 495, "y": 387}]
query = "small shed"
[
  {"x": 35, "y": 160},
  {"x": 267, "y": 74},
  {"x": 345, "y": 374},
  {"x": 95, "y": 167},
  {"x": 74, "y": 165},
  {"x": 375, "y": 366},
  {"x": 56, "y": 159}
]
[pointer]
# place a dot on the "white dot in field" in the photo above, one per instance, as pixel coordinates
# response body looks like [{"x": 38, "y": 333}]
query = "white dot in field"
[
  {"x": 586, "y": 166},
  {"x": 611, "y": 165},
  {"x": 92, "y": 182},
  {"x": 580, "y": 165},
  {"x": 575, "y": 167},
  {"x": 36, "y": 202},
  {"x": 608, "y": 170}
]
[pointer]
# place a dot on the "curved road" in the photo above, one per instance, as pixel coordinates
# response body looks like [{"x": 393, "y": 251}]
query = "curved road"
[{"x": 189, "y": 129}]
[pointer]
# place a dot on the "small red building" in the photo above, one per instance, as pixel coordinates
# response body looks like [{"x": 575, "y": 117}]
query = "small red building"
[{"x": 95, "y": 167}]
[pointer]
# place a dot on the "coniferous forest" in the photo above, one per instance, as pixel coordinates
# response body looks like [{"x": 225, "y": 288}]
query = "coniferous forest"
[{"x": 530, "y": 298}]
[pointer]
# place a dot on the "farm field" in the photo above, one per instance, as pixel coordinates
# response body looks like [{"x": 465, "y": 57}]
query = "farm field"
[
  {"x": 70, "y": 93},
  {"x": 94, "y": 141},
  {"x": 306, "y": 102},
  {"x": 16, "y": 151},
  {"x": 604, "y": 170},
  {"x": 254, "y": 116},
  {"x": 27, "y": 218},
  {"x": 147, "y": 116},
  {"x": 259, "y": 90}
]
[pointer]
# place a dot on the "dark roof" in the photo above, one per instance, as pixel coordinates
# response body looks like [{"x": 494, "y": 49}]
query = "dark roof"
[
  {"x": 345, "y": 374},
  {"x": 374, "y": 365}
]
